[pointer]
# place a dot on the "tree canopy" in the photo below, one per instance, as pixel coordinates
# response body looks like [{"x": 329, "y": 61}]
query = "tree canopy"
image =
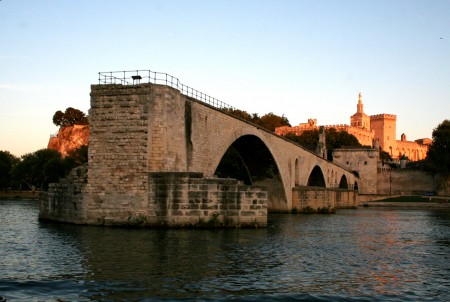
[
  {"x": 70, "y": 117},
  {"x": 7, "y": 163},
  {"x": 334, "y": 139},
  {"x": 438, "y": 156},
  {"x": 36, "y": 170},
  {"x": 269, "y": 121}
]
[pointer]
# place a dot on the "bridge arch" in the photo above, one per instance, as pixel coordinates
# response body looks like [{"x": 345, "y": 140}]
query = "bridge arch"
[
  {"x": 343, "y": 184},
  {"x": 316, "y": 178},
  {"x": 249, "y": 159}
]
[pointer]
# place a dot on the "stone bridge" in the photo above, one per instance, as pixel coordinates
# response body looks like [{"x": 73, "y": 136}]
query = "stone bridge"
[{"x": 160, "y": 157}]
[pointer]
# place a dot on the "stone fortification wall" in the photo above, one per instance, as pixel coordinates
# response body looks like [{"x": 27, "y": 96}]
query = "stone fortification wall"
[
  {"x": 413, "y": 150},
  {"x": 188, "y": 199},
  {"x": 403, "y": 182},
  {"x": 316, "y": 199},
  {"x": 64, "y": 201}
]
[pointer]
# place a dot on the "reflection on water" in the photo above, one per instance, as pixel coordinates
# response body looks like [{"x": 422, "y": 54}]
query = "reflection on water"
[{"x": 359, "y": 255}]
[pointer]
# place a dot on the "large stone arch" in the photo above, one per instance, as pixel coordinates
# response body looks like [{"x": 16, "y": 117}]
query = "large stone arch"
[{"x": 248, "y": 157}]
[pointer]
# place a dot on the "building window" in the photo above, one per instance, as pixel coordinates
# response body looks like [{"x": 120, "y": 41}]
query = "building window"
[{"x": 365, "y": 163}]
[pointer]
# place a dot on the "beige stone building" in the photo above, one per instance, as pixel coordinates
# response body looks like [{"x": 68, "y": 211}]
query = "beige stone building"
[{"x": 380, "y": 127}]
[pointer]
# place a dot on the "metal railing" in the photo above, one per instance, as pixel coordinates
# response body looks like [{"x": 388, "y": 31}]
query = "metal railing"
[{"x": 135, "y": 77}]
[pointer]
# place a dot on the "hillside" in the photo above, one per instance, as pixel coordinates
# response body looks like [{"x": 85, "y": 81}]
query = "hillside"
[{"x": 69, "y": 138}]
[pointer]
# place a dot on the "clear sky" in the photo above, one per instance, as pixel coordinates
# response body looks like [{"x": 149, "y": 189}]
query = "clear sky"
[{"x": 304, "y": 59}]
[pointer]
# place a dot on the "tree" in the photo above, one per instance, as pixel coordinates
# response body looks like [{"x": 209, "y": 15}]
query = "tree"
[
  {"x": 79, "y": 156},
  {"x": 271, "y": 121},
  {"x": 334, "y": 139},
  {"x": 438, "y": 156},
  {"x": 58, "y": 118},
  {"x": 307, "y": 139},
  {"x": 385, "y": 156},
  {"x": 7, "y": 162},
  {"x": 268, "y": 121},
  {"x": 34, "y": 168},
  {"x": 238, "y": 113},
  {"x": 70, "y": 117}
]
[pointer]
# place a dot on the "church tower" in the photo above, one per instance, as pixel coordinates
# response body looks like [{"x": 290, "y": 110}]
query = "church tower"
[{"x": 360, "y": 119}]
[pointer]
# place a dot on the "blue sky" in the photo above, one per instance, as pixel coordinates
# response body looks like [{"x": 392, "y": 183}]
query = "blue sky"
[{"x": 303, "y": 59}]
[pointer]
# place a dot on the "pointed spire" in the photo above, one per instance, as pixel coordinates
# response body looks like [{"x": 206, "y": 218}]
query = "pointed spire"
[{"x": 359, "y": 107}]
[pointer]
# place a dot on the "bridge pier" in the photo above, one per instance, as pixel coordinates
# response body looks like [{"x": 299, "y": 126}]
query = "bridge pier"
[{"x": 322, "y": 200}]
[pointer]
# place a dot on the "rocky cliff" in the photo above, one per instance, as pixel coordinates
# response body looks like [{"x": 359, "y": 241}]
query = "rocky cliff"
[{"x": 69, "y": 138}]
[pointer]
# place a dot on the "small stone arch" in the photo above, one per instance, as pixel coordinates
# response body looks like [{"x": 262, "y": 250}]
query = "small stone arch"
[
  {"x": 355, "y": 186},
  {"x": 343, "y": 184},
  {"x": 316, "y": 178}
]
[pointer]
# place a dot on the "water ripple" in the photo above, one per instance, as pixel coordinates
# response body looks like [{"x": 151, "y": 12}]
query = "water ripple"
[{"x": 354, "y": 255}]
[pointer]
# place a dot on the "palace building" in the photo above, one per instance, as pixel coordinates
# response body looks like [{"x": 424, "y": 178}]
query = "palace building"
[{"x": 380, "y": 128}]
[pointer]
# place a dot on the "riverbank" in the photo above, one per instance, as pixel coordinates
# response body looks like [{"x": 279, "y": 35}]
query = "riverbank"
[
  {"x": 408, "y": 205},
  {"x": 410, "y": 202},
  {"x": 16, "y": 194}
]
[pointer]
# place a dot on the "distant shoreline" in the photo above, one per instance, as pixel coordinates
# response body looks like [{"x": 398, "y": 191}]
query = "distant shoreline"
[{"x": 406, "y": 205}]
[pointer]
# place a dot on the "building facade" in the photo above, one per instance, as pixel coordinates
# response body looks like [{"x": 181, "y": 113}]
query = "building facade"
[{"x": 367, "y": 129}]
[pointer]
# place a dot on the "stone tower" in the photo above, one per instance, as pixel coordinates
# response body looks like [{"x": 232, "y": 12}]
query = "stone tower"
[
  {"x": 385, "y": 126},
  {"x": 360, "y": 119}
]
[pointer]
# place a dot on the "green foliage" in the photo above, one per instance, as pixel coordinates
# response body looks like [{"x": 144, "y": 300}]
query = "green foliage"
[
  {"x": 268, "y": 121},
  {"x": 79, "y": 155},
  {"x": 308, "y": 139},
  {"x": 271, "y": 121},
  {"x": 70, "y": 117},
  {"x": 334, "y": 139},
  {"x": 385, "y": 156},
  {"x": 30, "y": 171},
  {"x": 7, "y": 163},
  {"x": 36, "y": 170},
  {"x": 438, "y": 156}
]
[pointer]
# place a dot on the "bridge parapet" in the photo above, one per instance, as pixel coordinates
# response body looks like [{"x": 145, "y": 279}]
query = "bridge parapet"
[{"x": 135, "y": 77}]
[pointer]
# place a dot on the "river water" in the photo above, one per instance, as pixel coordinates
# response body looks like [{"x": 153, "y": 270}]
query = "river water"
[{"x": 353, "y": 255}]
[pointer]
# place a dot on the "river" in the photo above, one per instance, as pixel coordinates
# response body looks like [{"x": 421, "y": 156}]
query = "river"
[{"x": 354, "y": 255}]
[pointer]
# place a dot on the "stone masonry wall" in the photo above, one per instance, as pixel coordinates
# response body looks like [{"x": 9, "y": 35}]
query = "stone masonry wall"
[
  {"x": 117, "y": 152},
  {"x": 188, "y": 199},
  {"x": 403, "y": 182},
  {"x": 317, "y": 199},
  {"x": 64, "y": 201}
]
